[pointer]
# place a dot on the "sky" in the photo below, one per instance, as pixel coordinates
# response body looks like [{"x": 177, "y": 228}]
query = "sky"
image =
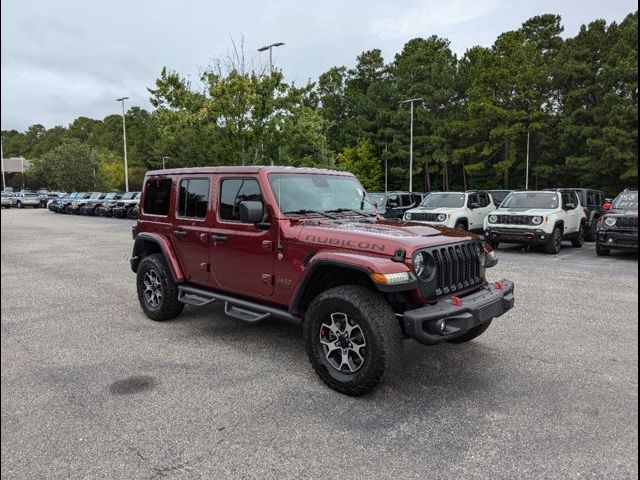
[{"x": 62, "y": 59}]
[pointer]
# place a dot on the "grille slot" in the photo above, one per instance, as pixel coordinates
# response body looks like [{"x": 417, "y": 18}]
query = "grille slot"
[
  {"x": 458, "y": 267},
  {"x": 515, "y": 219},
  {"x": 424, "y": 217},
  {"x": 627, "y": 222}
]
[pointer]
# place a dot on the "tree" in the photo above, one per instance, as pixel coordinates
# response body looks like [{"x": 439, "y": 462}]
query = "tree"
[
  {"x": 361, "y": 161},
  {"x": 71, "y": 166}
]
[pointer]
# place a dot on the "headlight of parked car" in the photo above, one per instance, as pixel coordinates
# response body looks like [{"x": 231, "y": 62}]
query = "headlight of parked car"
[
  {"x": 610, "y": 221},
  {"x": 407, "y": 216},
  {"x": 493, "y": 219},
  {"x": 442, "y": 217},
  {"x": 536, "y": 220}
]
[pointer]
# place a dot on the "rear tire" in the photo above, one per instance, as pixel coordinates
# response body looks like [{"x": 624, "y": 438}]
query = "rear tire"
[
  {"x": 578, "y": 242},
  {"x": 554, "y": 242},
  {"x": 590, "y": 233},
  {"x": 378, "y": 344},
  {"x": 471, "y": 334},
  {"x": 157, "y": 290}
]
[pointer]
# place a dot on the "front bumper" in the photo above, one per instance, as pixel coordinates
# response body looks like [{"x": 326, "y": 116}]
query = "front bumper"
[
  {"x": 612, "y": 239},
  {"x": 446, "y": 320},
  {"x": 516, "y": 235},
  {"x": 119, "y": 211}
]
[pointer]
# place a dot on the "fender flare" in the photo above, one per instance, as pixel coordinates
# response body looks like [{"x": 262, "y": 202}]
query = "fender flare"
[{"x": 140, "y": 250}]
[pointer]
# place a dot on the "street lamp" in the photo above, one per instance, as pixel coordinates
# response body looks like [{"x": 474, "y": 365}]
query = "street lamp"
[
  {"x": 4, "y": 181},
  {"x": 163, "y": 162},
  {"x": 270, "y": 48},
  {"x": 124, "y": 138},
  {"x": 411, "y": 101}
]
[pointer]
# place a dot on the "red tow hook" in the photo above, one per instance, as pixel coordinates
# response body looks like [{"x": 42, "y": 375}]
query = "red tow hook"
[
  {"x": 457, "y": 302},
  {"x": 499, "y": 285}
]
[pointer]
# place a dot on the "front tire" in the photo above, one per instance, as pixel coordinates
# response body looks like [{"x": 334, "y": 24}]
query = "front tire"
[
  {"x": 602, "y": 252},
  {"x": 471, "y": 334},
  {"x": 352, "y": 338},
  {"x": 19, "y": 204},
  {"x": 554, "y": 242},
  {"x": 157, "y": 290},
  {"x": 578, "y": 242},
  {"x": 460, "y": 225}
]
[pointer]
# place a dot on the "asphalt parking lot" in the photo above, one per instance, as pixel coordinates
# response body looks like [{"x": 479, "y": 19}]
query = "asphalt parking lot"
[{"x": 93, "y": 389}]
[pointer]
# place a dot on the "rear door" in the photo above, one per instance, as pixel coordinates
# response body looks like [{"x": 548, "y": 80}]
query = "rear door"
[
  {"x": 242, "y": 255},
  {"x": 192, "y": 226},
  {"x": 573, "y": 214}
]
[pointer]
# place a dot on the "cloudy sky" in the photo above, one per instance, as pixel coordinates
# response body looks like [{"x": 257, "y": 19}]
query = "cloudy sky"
[{"x": 65, "y": 58}]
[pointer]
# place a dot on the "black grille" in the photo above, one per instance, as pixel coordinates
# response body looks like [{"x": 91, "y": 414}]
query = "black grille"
[
  {"x": 457, "y": 267},
  {"x": 424, "y": 217},
  {"x": 515, "y": 220},
  {"x": 627, "y": 223}
]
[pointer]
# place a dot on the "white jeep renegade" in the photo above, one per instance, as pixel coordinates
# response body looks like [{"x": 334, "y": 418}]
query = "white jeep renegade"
[
  {"x": 544, "y": 218},
  {"x": 460, "y": 210}
]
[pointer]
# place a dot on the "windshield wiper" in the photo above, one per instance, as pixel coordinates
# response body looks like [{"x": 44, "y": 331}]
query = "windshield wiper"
[
  {"x": 307, "y": 212},
  {"x": 349, "y": 210}
]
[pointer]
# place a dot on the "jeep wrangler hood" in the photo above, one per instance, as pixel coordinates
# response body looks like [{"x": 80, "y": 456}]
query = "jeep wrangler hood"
[{"x": 383, "y": 237}]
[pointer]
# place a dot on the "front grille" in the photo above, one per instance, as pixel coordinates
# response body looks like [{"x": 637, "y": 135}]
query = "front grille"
[
  {"x": 515, "y": 219},
  {"x": 630, "y": 223},
  {"x": 424, "y": 217},
  {"x": 457, "y": 267},
  {"x": 120, "y": 204}
]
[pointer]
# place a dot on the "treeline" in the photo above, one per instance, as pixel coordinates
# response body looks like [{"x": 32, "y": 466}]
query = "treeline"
[{"x": 576, "y": 99}]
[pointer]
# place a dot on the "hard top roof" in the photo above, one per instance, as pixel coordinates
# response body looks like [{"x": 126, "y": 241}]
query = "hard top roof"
[{"x": 244, "y": 170}]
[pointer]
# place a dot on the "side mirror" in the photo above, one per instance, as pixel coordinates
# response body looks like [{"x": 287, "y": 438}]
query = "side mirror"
[
  {"x": 606, "y": 206},
  {"x": 251, "y": 212}
]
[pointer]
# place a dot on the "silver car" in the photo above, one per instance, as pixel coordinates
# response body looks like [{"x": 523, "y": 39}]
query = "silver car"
[
  {"x": 6, "y": 200},
  {"x": 25, "y": 199}
]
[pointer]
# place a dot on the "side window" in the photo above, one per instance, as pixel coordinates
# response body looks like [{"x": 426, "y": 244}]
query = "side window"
[
  {"x": 407, "y": 200},
  {"x": 473, "y": 198},
  {"x": 157, "y": 196},
  {"x": 576, "y": 200},
  {"x": 393, "y": 201},
  {"x": 484, "y": 200},
  {"x": 592, "y": 199},
  {"x": 194, "y": 197},
  {"x": 236, "y": 190}
]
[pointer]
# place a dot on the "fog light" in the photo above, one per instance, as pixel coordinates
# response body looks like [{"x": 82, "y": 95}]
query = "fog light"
[{"x": 443, "y": 325}]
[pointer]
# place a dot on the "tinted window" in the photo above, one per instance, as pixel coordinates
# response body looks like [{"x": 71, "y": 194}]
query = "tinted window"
[
  {"x": 234, "y": 191},
  {"x": 393, "y": 201},
  {"x": 407, "y": 200},
  {"x": 194, "y": 197},
  {"x": 474, "y": 199},
  {"x": 569, "y": 197},
  {"x": 484, "y": 199},
  {"x": 157, "y": 196}
]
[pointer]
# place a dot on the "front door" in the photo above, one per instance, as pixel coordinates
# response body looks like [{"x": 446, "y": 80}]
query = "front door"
[
  {"x": 242, "y": 255},
  {"x": 192, "y": 226}
]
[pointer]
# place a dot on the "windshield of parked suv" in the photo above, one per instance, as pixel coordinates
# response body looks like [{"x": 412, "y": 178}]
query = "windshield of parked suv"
[
  {"x": 297, "y": 193},
  {"x": 449, "y": 200},
  {"x": 531, "y": 200},
  {"x": 95, "y": 195},
  {"x": 626, "y": 201},
  {"x": 128, "y": 195},
  {"x": 377, "y": 198}
]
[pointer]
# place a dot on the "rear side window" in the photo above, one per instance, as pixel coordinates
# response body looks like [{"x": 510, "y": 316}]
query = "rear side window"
[
  {"x": 236, "y": 190},
  {"x": 157, "y": 196},
  {"x": 194, "y": 197}
]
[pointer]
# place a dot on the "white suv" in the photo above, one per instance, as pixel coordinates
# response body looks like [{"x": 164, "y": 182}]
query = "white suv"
[
  {"x": 460, "y": 210},
  {"x": 545, "y": 218}
]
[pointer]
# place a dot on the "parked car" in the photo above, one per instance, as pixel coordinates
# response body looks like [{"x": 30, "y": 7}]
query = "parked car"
[
  {"x": 618, "y": 228},
  {"x": 124, "y": 207},
  {"x": 75, "y": 206},
  {"x": 46, "y": 196},
  {"x": 459, "y": 210},
  {"x": 301, "y": 245},
  {"x": 537, "y": 217},
  {"x": 55, "y": 205},
  {"x": 91, "y": 204},
  {"x": 104, "y": 208},
  {"x": 392, "y": 205},
  {"x": 6, "y": 200},
  {"x": 593, "y": 203},
  {"x": 25, "y": 199},
  {"x": 498, "y": 196}
]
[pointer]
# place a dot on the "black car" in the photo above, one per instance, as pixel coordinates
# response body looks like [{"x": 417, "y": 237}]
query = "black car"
[
  {"x": 592, "y": 201},
  {"x": 617, "y": 229},
  {"x": 392, "y": 205},
  {"x": 498, "y": 195}
]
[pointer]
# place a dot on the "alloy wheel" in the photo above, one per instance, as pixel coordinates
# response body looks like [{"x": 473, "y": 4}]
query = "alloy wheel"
[
  {"x": 152, "y": 288},
  {"x": 343, "y": 343}
]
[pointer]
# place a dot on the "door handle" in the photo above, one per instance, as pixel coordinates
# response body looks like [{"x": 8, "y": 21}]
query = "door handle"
[
  {"x": 179, "y": 233},
  {"x": 219, "y": 238}
]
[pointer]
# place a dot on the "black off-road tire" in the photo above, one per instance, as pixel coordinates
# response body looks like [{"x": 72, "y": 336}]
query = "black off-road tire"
[
  {"x": 590, "y": 233},
  {"x": 602, "y": 252},
  {"x": 554, "y": 242},
  {"x": 380, "y": 328},
  {"x": 471, "y": 334},
  {"x": 460, "y": 225},
  {"x": 578, "y": 241},
  {"x": 169, "y": 307}
]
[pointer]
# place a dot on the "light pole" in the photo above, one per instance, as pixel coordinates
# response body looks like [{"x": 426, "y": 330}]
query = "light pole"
[
  {"x": 4, "y": 181},
  {"x": 124, "y": 138},
  {"x": 270, "y": 48},
  {"x": 411, "y": 101},
  {"x": 526, "y": 181},
  {"x": 163, "y": 162}
]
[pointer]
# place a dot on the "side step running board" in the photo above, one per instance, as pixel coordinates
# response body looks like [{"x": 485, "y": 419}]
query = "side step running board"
[{"x": 234, "y": 307}]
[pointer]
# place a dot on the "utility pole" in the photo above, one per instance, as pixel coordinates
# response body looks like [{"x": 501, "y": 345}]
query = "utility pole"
[
  {"x": 124, "y": 138},
  {"x": 270, "y": 48},
  {"x": 411, "y": 101},
  {"x": 526, "y": 181},
  {"x": 4, "y": 181},
  {"x": 163, "y": 162}
]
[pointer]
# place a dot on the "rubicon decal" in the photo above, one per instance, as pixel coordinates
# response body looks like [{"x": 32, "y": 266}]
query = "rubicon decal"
[{"x": 345, "y": 243}]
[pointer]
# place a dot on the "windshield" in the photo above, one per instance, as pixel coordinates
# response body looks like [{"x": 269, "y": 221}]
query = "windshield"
[
  {"x": 377, "y": 198},
  {"x": 318, "y": 192},
  {"x": 626, "y": 201},
  {"x": 110, "y": 196},
  {"x": 449, "y": 200},
  {"x": 530, "y": 200},
  {"x": 128, "y": 195},
  {"x": 95, "y": 195}
]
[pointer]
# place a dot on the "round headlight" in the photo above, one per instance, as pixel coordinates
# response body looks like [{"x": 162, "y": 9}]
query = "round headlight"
[
  {"x": 407, "y": 216},
  {"x": 418, "y": 264},
  {"x": 493, "y": 218},
  {"x": 536, "y": 220},
  {"x": 442, "y": 217},
  {"x": 610, "y": 221}
]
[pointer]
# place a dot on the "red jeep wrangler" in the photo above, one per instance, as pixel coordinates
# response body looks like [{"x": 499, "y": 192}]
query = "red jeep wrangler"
[{"x": 308, "y": 246}]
